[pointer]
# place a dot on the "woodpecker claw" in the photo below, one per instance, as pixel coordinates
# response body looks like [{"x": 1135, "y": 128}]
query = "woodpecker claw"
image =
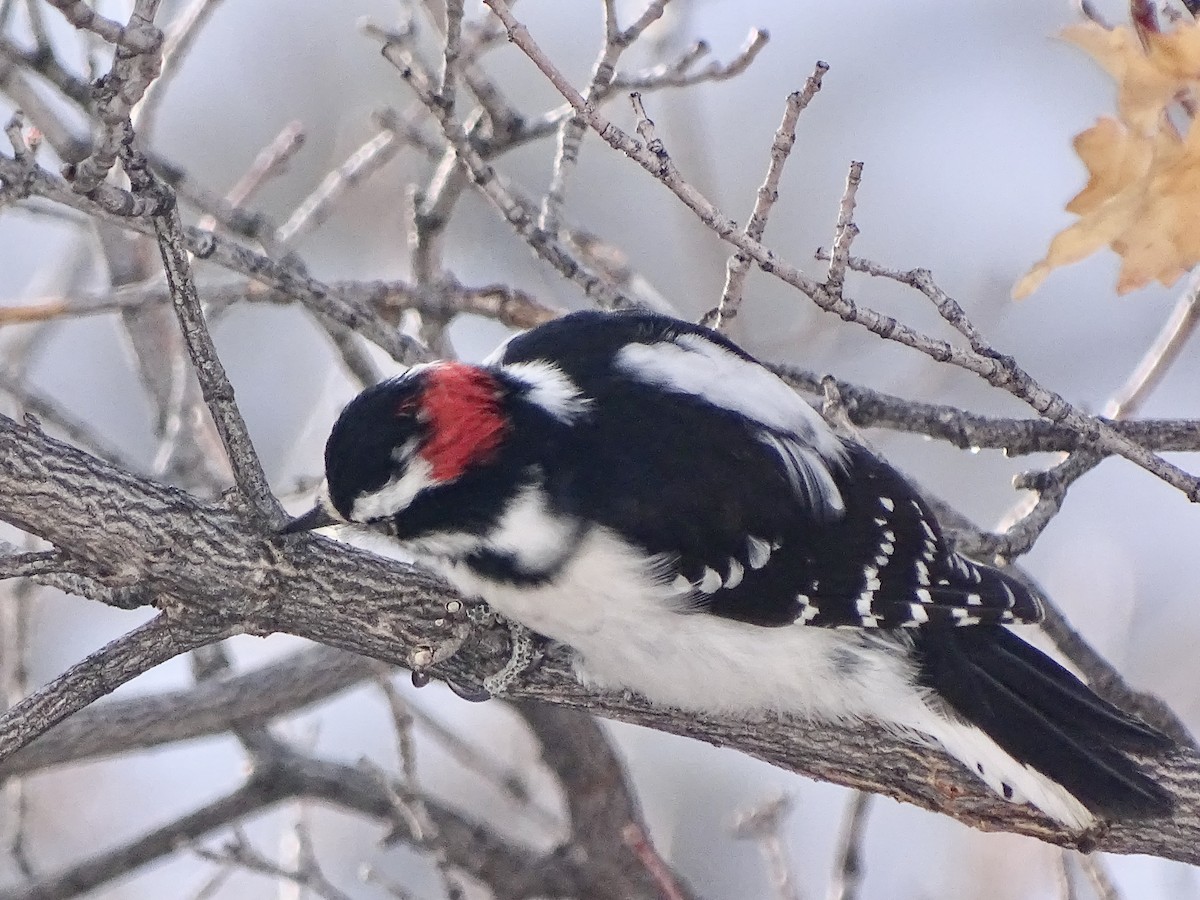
[{"x": 525, "y": 656}]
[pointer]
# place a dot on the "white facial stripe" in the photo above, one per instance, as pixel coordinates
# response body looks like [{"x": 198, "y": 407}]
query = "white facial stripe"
[
  {"x": 549, "y": 388},
  {"x": 397, "y": 494}
]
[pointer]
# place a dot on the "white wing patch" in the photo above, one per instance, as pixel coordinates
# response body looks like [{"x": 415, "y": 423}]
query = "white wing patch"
[
  {"x": 691, "y": 364},
  {"x": 549, "y": 387}
]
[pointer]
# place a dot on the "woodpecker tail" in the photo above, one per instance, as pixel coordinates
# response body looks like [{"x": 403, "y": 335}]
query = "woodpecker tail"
[{"x": 1045, "y": 720}]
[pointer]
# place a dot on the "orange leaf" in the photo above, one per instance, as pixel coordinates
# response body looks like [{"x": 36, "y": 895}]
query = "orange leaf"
[{"x": 1142, "y": 197}]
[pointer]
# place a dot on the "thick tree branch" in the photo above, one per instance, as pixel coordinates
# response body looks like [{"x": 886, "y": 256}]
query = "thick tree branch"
[{"x": 220, "y": 564}]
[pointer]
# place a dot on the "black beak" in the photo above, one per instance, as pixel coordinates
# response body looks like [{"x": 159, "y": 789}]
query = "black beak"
[{"x": 316, "y": 517}]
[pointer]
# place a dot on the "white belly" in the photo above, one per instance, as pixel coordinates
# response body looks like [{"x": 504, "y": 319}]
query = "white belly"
[{"x": 632, "y": 631}]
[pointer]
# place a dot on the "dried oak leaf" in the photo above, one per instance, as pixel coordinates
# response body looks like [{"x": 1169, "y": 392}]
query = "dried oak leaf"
[{"x": 1142, "y": 198}]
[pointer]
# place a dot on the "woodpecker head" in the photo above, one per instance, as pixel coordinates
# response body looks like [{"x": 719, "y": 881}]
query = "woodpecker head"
[{"x": 405, "y": 438}]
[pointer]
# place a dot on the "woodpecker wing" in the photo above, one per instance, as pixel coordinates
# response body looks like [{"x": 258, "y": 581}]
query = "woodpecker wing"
[{"x": 706, "y": 459}]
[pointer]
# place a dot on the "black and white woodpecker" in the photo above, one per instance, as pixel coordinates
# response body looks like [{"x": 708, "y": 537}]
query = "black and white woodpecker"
[{"x": 642, "y": 490}]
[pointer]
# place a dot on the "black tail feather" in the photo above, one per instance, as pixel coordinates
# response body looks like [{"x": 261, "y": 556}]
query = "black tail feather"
[{"x": 1045, "y": 717}]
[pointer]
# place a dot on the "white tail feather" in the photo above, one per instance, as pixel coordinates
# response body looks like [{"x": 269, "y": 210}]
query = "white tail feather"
[{"x": 1006, "y": 776}]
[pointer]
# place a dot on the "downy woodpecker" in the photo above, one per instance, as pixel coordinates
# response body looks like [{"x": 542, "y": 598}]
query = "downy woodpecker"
[{"x": 642, "y": 490}]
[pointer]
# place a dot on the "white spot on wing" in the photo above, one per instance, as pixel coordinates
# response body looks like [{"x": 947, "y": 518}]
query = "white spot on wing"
[
  {"x": 963, "y": 617},
  {"x": 681, "y": 584},
  {"x": 758, "y": 552},
  {"x": 808, "y": 610},
  {"x": 887, "y": 503},
  {"x": 710, "y": 582},
  {"x": 1010, "y": 598},
  {"x": 736, "y": 571}
]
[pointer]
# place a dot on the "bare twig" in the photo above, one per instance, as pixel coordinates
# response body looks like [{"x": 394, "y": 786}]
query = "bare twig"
[
  {"x": 307, "y": 873},
  {"x": 570, "y": 133},
  {"x": 1160, "y": 355},
  {"x": 214, "y": 383},
  {"x": 101, "y": 673},
  {"x": 452, "y": 50},
  {"x": 763, "y": 824},
  {"x": 517, "y": 213},
  {"x": 768, "y": 192},
  {"x": 135, "y": 64},
  {"x": 508, "y": 780},
  {"x": 134, "y": 37},
  {"x": 680, "y": 73},
  {"x": 315, "y": 208},
  {"x": 269, "y": 162},
  {"x": 847, "y": 861},
  {"x": 14, "y": 682},
  {"x": 290, "y": 280},
  {"x": 638, "y": 842},
  {"x": 411, "y": 808},
  {"x": 1097, "y": 874},
  {"x": 844, "y": 232},
  {"x": 137, "y": 723},
  {"x": 1051, "y": 488}
]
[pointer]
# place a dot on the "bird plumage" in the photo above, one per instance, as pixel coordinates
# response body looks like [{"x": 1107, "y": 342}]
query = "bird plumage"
[{"x": 644, "y": 491}]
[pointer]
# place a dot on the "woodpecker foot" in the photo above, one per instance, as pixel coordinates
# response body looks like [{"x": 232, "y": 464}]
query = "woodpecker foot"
[{"x": 526, "y": 654}]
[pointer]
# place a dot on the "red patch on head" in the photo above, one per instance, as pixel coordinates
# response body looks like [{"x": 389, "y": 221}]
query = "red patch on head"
[{"x": 465, "y": 422}]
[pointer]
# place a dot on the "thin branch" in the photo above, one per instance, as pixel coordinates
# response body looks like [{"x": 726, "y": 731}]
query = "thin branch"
[
  {"x": 135, "y": 64},
  {"x": 768, "y": 192},
  {"x": 138, "y": 723},
  {"x": 1160, "y": 356},
  {"x": 680, "y": 73},
  {"x": 844, "y": 232},
  {"x": 307, "y": 873},
  {"x": 570, "y": 133},
  {"x": 848, "y": 867},
  {"x": 1098, "y": 875},
  {"x": 134, "y": 37},
  {"x": 763, "y": 825},
  {"x": 214, "y": 383},
  {"x": 495, "y": 189},
  {"x": 1051, "y": 488},
  {"x": 14, "y": 682},
  {"x": 509, "y": 781},
  {"x": 100, "y": 674},
  {"x": 269, "y": 162},
  {"x": 317, "y": 206},
  {"x": 636, "y": 839},
  {"x": 288, "y": 279},
  {"x": 452, "y": 50}
]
